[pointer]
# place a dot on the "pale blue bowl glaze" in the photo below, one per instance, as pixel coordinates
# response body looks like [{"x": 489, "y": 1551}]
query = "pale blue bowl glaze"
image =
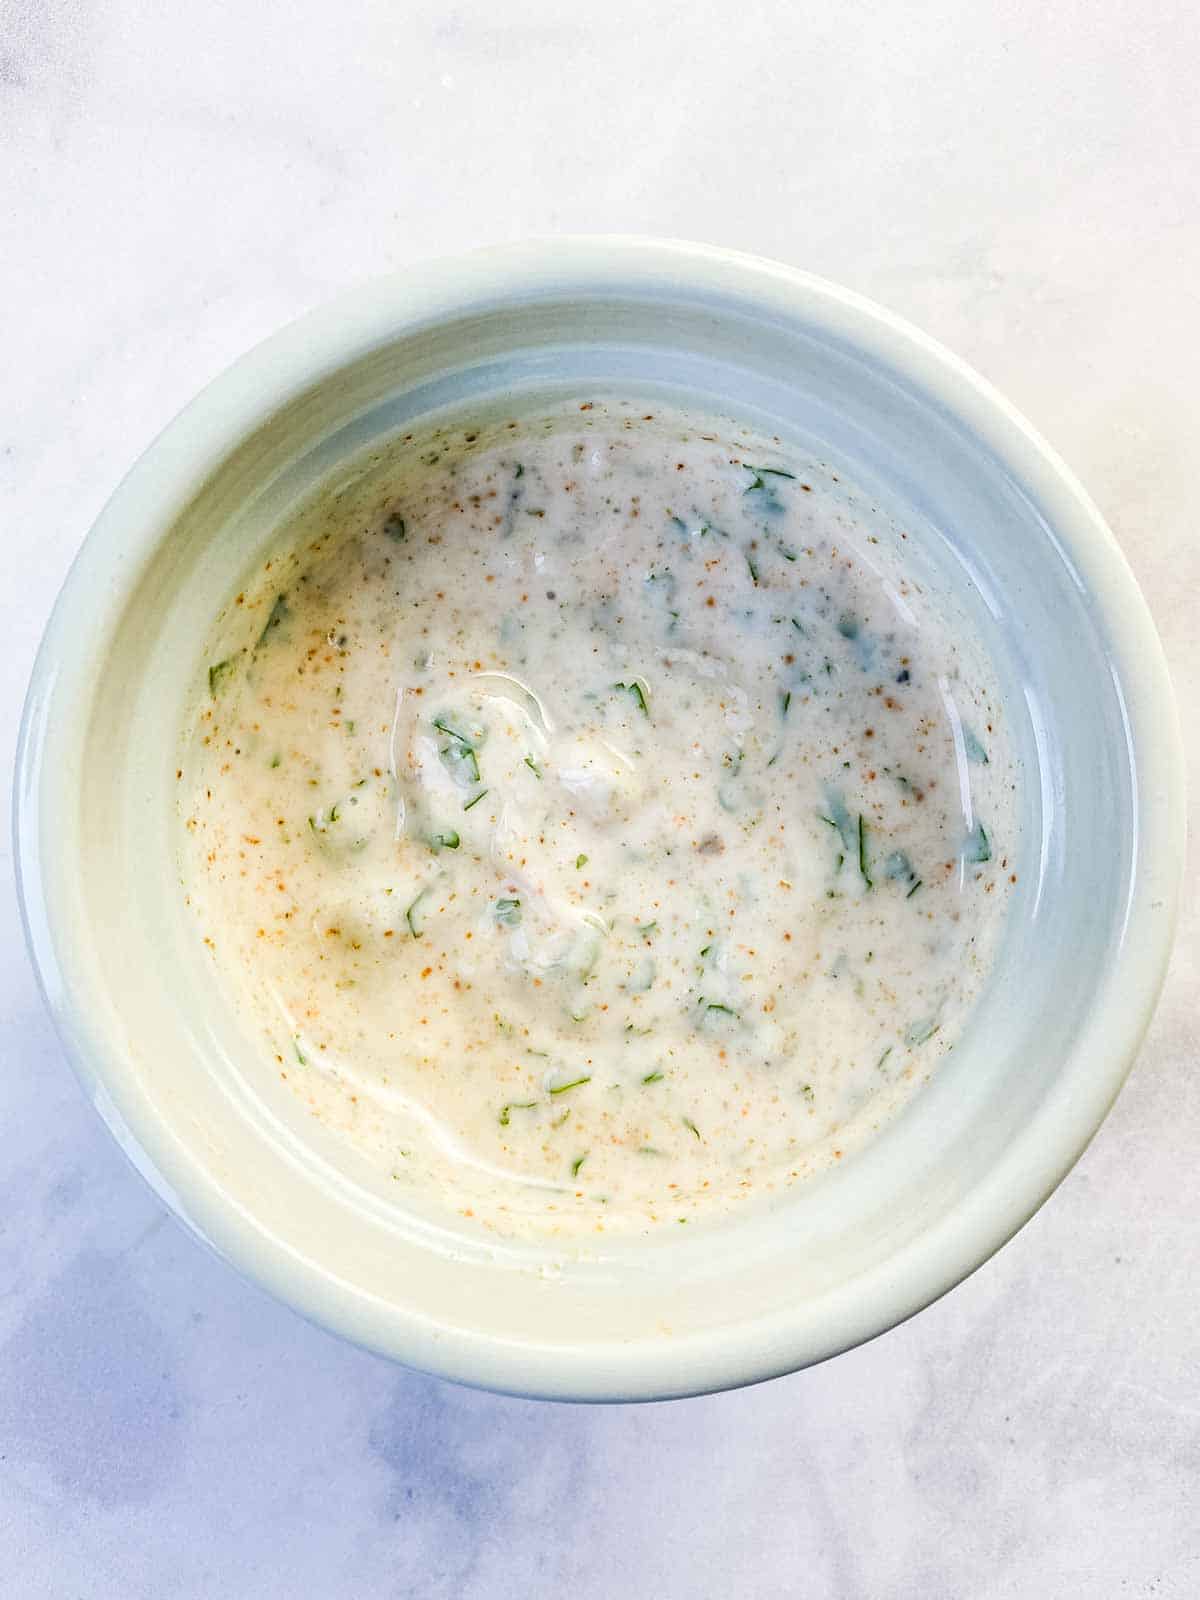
[{"x": 998, "y": 522}]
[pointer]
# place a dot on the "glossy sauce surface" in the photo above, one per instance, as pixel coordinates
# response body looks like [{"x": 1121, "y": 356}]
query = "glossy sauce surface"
[{"x": 593, "y": 817}]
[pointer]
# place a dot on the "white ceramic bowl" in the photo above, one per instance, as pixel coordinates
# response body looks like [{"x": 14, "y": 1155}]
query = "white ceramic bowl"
[{"x": 1003, "y": 523}]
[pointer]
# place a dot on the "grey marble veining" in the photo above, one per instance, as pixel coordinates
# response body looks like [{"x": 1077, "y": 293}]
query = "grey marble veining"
[{"x": 175, "y": 183}]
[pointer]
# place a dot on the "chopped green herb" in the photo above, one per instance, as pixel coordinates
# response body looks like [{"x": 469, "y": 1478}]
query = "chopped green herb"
[
  {"x": 279, "y": 613},
  {"x": 636, "y": 690},
  {"x": 300, "y": 1056},
  {"x": 978, "y": 847},
  {"x": 919, "y": 1032},
  {"x": 973, "y": 749},
  {"x": 410, "y": 915},
  {"x": 799, "y": 629},
  {"x": 475, "y": 800},
  {"x": 276, "y": 760},
  {"x": 715, "y": 1005},
  {"x": 507, "y": 912},
  {"x": 690, "y": 1126},
  {"x": 448, "y": 840},
  {"x": 580, "y": 861},
  {"x": 561, "y": 1088},
  {"x": 533, "y": 767},
  {"x": 771, "y": 472},
  {"x": 862, "y": 851},
  {"x": 753, "y": 568},
  {"x": 460, "y": 751},
  {"x": 913, "y": 890},
  {"x": 647, "y": 928},
  {"x": 785, "y": 701},
  {"x": 883, "y": 1058},
  {"x": 577, "y": 1163},
  {"x": 218, "y": 673},
  {"x": 519, "y": 470},
  {"x": 653, "y": 1077},
  {"x": 515, "y": 1105},
  {"x": 705, "y": 951},
  {"x": 451, "y": 732},
  {"x": 806, "y": 1089}
]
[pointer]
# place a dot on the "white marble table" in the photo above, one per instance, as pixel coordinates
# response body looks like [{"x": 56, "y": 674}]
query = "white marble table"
[{"x": 175, "y": 182}]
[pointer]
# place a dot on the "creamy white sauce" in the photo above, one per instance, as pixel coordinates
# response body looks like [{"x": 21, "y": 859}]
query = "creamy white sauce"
[{"x": 594, "y": 818}]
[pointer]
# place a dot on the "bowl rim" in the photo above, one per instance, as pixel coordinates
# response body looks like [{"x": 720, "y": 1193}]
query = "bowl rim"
[{"x": 428, "y": 292}]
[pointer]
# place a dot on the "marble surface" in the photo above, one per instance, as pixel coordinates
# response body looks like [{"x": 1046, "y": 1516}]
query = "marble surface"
[{"x": 176, "y": 182}]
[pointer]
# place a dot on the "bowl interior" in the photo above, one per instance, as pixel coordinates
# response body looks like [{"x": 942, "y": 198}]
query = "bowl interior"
[{"x": 996, "y": 530}]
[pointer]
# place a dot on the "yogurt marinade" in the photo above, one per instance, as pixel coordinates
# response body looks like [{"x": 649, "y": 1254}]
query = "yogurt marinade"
[{"x": 594, "y": 819}]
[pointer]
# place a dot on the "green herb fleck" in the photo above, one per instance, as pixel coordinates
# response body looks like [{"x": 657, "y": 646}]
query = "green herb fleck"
[
  {"x": 973, "y": 748},
  {"x": 300, "y": 1056},
  {"x": 561, "y": 1088},
  {"x": 913, "y": 890},
  {"x": 715, "y": 1005},
  {"x": 475, "y": 801},
  {"x": 580, "y": 861},
  {"x": 410, "y": 915},
  {"x": 218, "y": 673},
  {"x": 883, "y": 1058},
  {"x": 515, "y": 1105},
  {"x": 978, "y": 847},
  {"x": 690, "y": 1126},
  {"x": 577, "y": 1163},
  {"x": 919, "y": 1032},
  {"x": 533, "y": 767},
  {"x": 647, "y": 928},
  {"x": 653, "y": 1077},
  {"x": 785, "y": 701},
  {"x": 276, "y": 760},
  {"x": 460, "y": 748},
  {"x": 507, "y": 912},
  {"x": 753, "y": 568},
  {"x": 447, "y": 840},
  {"x": 279, "y": 613},
  {"x": 862, "y": 851},
  {"x": 639, "y": 694},
  {"x": 771, "y": 472}
]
